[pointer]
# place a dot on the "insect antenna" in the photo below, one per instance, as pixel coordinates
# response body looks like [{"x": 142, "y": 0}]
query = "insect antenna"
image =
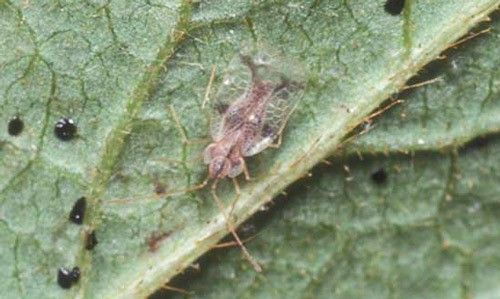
[
  {"x": 248, "y": 61},
  {"x": 156, "y": 196}
]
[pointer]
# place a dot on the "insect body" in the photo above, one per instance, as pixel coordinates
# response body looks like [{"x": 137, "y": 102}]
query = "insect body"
[{"x": 253, "y": 121}]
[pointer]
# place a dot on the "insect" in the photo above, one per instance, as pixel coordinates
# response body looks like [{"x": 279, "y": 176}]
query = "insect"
[
  {"x": 256, "y": 97},
  {"x": 254, "y": 119},
  {"x": 253, "y": 104}
]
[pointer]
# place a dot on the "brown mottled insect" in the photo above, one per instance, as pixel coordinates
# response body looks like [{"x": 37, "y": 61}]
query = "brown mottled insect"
[
  {"x": 252, "y": 117},
  {"x": 257, "y": 96}
]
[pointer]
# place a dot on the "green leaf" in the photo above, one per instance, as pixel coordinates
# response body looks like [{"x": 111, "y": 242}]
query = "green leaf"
[
  {"x": 123, "y": 72},
  {"x": 429, "y": 231},
  {"x": 417, "y": 225},
  {"x": 460, "y": 106}
]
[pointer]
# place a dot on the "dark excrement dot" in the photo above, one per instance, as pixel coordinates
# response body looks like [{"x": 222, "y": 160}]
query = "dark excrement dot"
[
  {"x": 160, "y": 189},
  {"x": 394, "y": 7},
  {"x": 15, "y": 126},
  {"x": 90, "y": 240},
  {"x": 65, "y": 129},
  {"x": 67, "y": 278},
  {"x": 379, "y": 176},
  {"x": 78, "y": 211}
]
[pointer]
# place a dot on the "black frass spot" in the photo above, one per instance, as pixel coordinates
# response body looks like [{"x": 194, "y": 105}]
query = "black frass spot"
[
  {"x": 379, "y": 177},
  {"x": 67, "y": 278},
  {"x": 394, "y": 7},
  {"x": 65, "y": 129},
  {"x": 15, "y": 126},
  {"x": 90, "y": 240},
  {"x": 160, "y": 188},
  {"x": 78, "y": 211}
]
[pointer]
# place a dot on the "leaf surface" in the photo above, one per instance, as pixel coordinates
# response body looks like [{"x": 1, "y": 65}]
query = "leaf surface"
[
  {"x": 392, "y": 217},
  {"x": 132, "y": 76}
]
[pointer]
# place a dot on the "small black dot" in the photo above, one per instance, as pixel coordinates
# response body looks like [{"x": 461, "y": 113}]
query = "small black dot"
[
  {"x": 66, "y": 278},
  {"x": 160, "y": 188},
  {"x": 90, "y": 240},
  {"x": 75, "y": 274},
  {"x": 65, "y": 129},
  {"x": 379, "y": 176},
  {"x": 394, "y": 7},
  {"x": 78, "y": 211},
  {"x": 16, "y": 126}
]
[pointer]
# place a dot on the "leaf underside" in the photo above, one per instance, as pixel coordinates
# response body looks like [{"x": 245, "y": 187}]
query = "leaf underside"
[
  {"x": 126, "y": 72},
  {"x": 392, "y": 216}
]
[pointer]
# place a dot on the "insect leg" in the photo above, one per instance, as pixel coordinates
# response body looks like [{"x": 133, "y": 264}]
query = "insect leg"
[
  {"x": 248, "y": 61},
  {"x": 245, "y": 169},
  {"x": 206, "y": 99},
  {"x": 238, "y": 192},
  {"x": 232, "y": 230},
  {"x": 236, "y": 186},
  {"x": 232, "y": 243}
]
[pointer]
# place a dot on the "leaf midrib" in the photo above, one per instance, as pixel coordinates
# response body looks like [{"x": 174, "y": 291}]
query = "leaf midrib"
[
  {"x": 115, "y": 140},
  {"x": 325, "y": 144},
  {"x": 262, "y": 192}
]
